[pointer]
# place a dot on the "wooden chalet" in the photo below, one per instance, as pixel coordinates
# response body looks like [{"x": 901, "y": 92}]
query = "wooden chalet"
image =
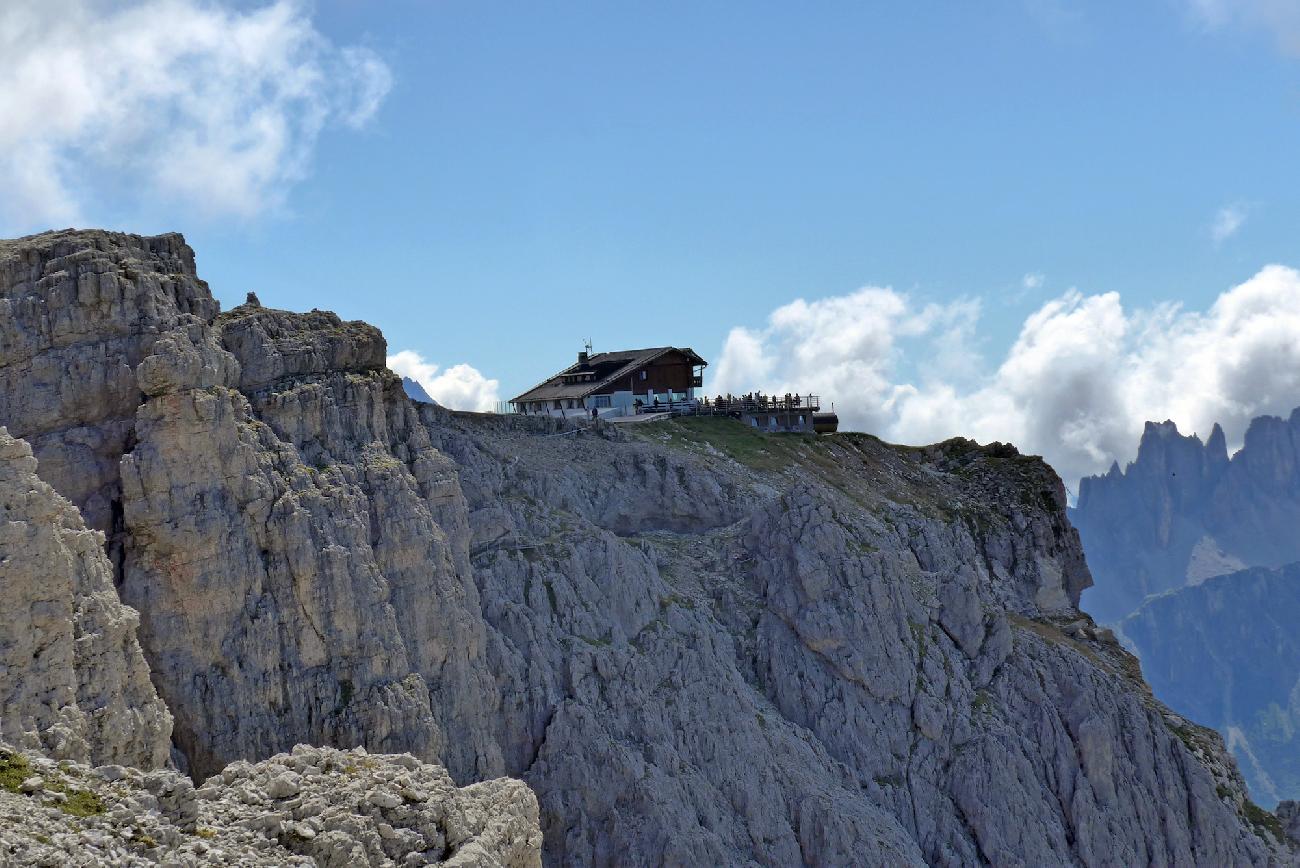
[{"x": 621, "y": 383}]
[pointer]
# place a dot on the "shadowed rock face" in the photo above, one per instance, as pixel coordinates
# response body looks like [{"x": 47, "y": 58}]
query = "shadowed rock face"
[
  {"x": 1183, "y": 512},
  {"x": 73, "y": 682},
  {"x": 696, "y": 643}
]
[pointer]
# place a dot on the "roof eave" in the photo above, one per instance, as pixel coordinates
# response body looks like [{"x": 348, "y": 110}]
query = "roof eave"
[{"x": 647, "y": 356}]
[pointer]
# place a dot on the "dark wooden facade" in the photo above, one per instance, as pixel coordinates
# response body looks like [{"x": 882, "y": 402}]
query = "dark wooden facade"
[
  {"x": 672, "y": 372},
  {"x": 617, "y": 383}
]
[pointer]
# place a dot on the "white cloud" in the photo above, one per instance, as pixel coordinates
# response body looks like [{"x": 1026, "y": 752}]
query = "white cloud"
[
  {"x": 1076, "y": 386},
  {"x": 1033, "y": 280},
  {"x": 1227, "y": 221},
  {"x": 1281, "y": 18},
  {"x": 842, "y": 341},
  {"x": 460, "y": 387},
  {"x": 194, "y": 101}
]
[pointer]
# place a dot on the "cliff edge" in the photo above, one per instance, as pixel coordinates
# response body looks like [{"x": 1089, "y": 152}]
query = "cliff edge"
[{"x": 696, "y": 643}]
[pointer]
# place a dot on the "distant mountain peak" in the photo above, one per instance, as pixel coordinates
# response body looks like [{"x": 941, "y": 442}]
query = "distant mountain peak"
[
  {"x": 1141, "y": 527},
  {"x": 1164, "y": 440},
  {"x": 1181, "y": 546},
  {"x": 1216, "y": 448},
  {"x": 416, "y": 392}
]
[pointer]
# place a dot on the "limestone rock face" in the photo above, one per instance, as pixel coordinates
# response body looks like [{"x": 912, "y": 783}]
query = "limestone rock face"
[
  {"x": 311, "y": 592},
  {"x": 896, "y": 636},
  {"x": 312, "y": 807},
  {"x": 697, "y": 644},
  {"x": 275, "y": 344},
  {"x": 73, "y": 681},
  {"x": 80, "y": 310},
  {"x": 1289, "y": 813}
]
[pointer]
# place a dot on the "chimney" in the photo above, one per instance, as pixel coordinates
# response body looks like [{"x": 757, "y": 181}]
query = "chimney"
[{"x": 582, "y": 359}]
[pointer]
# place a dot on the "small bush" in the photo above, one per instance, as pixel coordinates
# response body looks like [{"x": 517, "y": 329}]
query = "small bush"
[
  {"x": 1262, "y": 820},
  {"x": 346, "y": 692},
  {"x": 14, "y": 769},
  {"x": 82, "y": 803}
]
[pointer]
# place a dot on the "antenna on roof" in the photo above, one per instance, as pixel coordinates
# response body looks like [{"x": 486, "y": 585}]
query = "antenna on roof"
[{"x": 587, "y": 346}]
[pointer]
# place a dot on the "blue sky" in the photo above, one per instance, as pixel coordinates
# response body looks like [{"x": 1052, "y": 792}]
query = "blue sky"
[
  {"x": 542, "y": 173},
  {"x": 644, "y": 174}
]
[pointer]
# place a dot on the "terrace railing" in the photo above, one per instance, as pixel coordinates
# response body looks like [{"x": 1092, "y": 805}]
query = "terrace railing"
[{"x": 736, "y": 405}]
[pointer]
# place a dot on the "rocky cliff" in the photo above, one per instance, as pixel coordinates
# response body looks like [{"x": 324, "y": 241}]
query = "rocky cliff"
[
  {"x": 696, "y": 643},
  {"x": 75, "y": 691},
  {"x": 1184, "y": 511},
  {"x": 73, "y": 682},
  {"x": 314, "y": 806},
  {"x": 1226, "y": 653}
]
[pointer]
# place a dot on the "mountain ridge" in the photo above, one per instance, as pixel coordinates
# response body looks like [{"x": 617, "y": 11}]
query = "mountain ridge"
[
  {"x": 1184, "y": 511},
  {"x": 1224, "y": 652},
  {"x": 693, "y": 641}
]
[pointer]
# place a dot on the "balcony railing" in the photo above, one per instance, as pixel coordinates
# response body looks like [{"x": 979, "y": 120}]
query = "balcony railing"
[
  {"x": 736, "y": 405},
  {"x": 748, "y": 404}
]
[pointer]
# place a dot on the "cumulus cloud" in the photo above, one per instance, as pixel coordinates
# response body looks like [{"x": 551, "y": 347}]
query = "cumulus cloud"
[
  {"x": 1076, "y": 386},
  {"x": 460, "y": 387},
  {"x": 1033, "y": 280},
  {"x": 1226, "y": 222},
  {"x": 1281, "y": 18},
  {"x": 205, "y": 103}
]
